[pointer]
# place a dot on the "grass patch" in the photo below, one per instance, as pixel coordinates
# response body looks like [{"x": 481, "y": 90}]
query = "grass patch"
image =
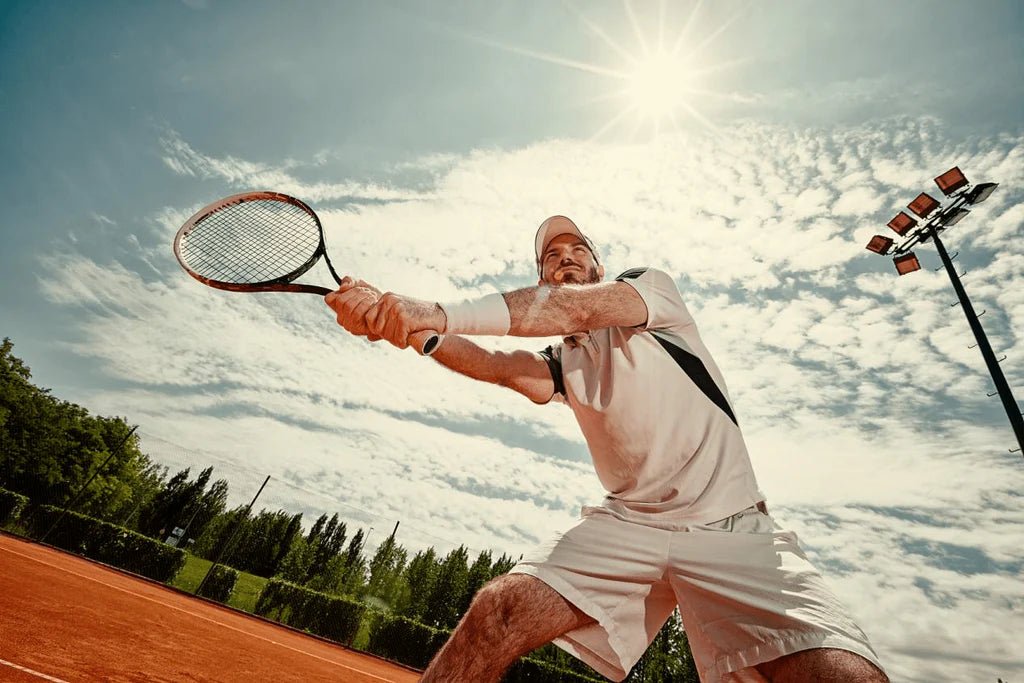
[
  {"x": 191, "y": 574},
  {"x": 247, "y": 588},
  {"x": 247, "y": 591}
]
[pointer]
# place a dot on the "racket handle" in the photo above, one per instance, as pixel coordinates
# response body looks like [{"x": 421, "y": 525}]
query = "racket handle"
[{"x": 425, "y": 341}]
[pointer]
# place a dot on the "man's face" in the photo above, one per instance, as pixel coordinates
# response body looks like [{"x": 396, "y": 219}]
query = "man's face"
[{"x": 568, "y": 261}]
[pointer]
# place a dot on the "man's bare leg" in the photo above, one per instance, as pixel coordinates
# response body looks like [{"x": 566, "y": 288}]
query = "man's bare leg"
[
  {"x": 821, "y": 665},
  {"x": 510, "y": 616}
]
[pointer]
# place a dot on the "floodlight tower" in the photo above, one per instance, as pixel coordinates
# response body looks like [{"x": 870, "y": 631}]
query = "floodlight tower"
[{"x": 961, "y": 194}]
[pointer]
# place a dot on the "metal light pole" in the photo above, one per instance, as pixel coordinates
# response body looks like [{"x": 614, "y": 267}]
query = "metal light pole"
[
  {"x": 954, "y": 185},
  {"x": 238, "y": 525}
]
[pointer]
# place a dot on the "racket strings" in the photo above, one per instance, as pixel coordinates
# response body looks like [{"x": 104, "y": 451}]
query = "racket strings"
[
  {"x": 275, "y": 241},
  {"x": 253, "y": 241}
]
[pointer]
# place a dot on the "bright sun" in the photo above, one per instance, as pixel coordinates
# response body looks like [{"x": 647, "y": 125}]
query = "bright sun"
[
  {"x": 657, "y": 86},
  {"x": 660, "y": 79}
]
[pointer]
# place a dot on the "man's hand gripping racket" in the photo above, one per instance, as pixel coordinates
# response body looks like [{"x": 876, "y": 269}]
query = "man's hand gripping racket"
[{"x": 261, "y": 242}]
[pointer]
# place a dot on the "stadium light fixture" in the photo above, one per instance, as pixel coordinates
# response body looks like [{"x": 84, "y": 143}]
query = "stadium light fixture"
[
  {"x": 880, "y": 244},
  {"x": 951, "y": 218},
  {"x": 962, "y": 194},
  {"x": 902, "y": 223},
  {"x": 923, "y": 205},
  {"x": 907, "y": 263},
  {"x": 981, "y": 192},
  {"x": 951, "y": 181}
]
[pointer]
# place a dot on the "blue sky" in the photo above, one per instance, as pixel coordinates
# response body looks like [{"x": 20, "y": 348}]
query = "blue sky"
[{"x": 432, "y": 139}]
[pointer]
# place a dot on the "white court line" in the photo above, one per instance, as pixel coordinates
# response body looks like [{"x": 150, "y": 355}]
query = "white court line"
[
  {"x": 193, "y": 614},
  {"x": 30, "y": 671}
]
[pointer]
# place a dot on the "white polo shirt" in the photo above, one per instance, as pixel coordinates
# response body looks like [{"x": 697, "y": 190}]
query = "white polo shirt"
[{"x": 656, "y": 414}]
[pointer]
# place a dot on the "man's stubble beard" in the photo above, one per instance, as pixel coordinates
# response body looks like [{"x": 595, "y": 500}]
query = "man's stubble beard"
[{"x": 573, "y": 278}]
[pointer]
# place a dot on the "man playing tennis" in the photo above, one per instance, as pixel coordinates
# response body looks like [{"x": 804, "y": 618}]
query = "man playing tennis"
[{"x": 683, "y": 523}]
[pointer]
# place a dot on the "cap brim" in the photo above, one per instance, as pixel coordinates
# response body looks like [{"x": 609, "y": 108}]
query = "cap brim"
[{"x": 552, "y": 228}]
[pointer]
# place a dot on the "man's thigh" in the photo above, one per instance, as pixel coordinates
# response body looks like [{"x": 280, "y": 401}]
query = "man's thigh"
[
  {"x": 522, "y": 607},
  {"x": 613, "y": 571}
]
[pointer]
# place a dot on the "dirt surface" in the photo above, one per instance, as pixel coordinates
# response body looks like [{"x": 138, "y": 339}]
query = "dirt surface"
[{"x": 63, "y": 618}]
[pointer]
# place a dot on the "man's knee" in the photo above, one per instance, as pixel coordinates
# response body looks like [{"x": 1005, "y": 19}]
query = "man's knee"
[
  {"x": 822, "y": 664},
  {"x": 523, "y": 604},
  {"x": 499, "y": 597}
]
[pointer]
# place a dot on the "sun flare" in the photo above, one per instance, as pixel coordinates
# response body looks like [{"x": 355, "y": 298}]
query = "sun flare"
[
  {"x": 657, "y": 85},
  {"x": 660, "y": 78}
]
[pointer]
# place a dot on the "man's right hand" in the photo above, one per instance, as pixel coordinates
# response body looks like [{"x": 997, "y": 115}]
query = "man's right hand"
[{"x": 350, "y": 302}]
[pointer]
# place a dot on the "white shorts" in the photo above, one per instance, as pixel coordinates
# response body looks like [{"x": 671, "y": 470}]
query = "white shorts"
[{"x": 746, "y": 592}]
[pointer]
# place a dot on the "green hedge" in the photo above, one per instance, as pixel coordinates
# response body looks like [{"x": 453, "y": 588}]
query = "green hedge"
[
  {"x": 415, "y": 644},
  {"x": 220, "y": 584},
  {"x": 330, "y": 616},
  {"x": 107, "y": 543},
  {"x": 11, "y": 505},
  {"x": 404, "y": 640},
  {"x": 534, "y": 671}
]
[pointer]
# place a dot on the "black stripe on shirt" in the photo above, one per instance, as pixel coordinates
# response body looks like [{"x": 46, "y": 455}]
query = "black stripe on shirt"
[
  {"x": 632, "y": 274},
  {"x": 695, "y": 369},
  {"x": 555, "y": 368}
]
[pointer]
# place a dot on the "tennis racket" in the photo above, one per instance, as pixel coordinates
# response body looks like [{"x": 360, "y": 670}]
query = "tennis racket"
[{"x": 261, "y": 242}]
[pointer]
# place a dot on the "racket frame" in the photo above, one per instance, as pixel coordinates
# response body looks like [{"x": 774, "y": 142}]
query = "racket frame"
[
  {"x": 425, "y": 341},
  {"x": 279, "y": 284}
]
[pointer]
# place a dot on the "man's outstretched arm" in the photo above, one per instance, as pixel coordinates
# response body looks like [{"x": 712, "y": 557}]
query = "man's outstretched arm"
[
  {"x": 531, "y": 312},
  {"x": 521, "y": 371}
]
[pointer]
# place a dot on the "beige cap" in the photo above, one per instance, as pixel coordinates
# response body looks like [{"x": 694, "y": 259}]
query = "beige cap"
[{"x": 552, "y": 228}]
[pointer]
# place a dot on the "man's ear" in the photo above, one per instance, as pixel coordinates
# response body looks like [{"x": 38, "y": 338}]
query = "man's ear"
[{"x": 600, "y": 272}]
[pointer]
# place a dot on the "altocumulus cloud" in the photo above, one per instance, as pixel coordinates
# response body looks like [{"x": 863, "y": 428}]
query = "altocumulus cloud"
[{"x": 864, "y": 409}]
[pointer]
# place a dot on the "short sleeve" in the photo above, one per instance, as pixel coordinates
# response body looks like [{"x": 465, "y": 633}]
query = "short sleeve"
[
  {"x": 665, "y": 307},
  {"x": 552, "y": 355}
]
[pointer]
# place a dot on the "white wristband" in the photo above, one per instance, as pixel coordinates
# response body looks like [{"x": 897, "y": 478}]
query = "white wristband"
[{"x": 487, "y": 315}]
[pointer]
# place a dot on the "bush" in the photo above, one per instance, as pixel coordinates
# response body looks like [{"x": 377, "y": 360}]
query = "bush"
[
  {"x": 533, "y": 670},
  {"x": 11, "y": 505},
  {"x": 107, "y": 543},
  {"x": 329, "y": 616},
  {"x": 220, "y": 584},
  {"x": 405, "y": 640},
  {"x": 415, "y": 644}
]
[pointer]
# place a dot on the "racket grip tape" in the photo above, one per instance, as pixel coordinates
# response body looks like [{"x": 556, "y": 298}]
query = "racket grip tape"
[{"x": 425, "y": 341}]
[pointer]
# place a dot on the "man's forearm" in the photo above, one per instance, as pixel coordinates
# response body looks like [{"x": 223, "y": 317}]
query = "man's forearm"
[
  {"x": 466, "y": 358},
  {"x": 521, "y": 371}
]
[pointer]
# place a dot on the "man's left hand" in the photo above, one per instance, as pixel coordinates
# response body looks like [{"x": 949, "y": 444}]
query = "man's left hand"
[
  {"x": 394, "y": 317},
  {"x": 350, "y": 302}
]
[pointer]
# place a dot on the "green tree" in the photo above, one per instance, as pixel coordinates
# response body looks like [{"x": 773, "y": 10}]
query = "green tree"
[
  {"x": 353, "y": 576},
  {"x": 295, "y": 565},
  {"x": 292, "y": 533},
  {"x": 179, "y": 503},
  {"x": 148, "y": 484},
  {"x": 325, "y": 540},
  {"x": 668, "y": 659},
  {"x": 385, "y": 585},
  {"x": 210, "y": 504},
  {"x": 479, "y": 574},
  {"x": 419, "y": 577},
  {"x": 502, "y": 566},
  {"x": 217, "y": 533},
  {"x": 449, "y": 587},
  {"x": 111, "y": 458},
  {"x": 50, "y": 448},
  {"x": 261, "y": 542}
]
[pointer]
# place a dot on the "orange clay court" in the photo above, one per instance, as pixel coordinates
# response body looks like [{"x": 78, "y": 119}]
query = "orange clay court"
[{"x": 63, "y": 618}]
